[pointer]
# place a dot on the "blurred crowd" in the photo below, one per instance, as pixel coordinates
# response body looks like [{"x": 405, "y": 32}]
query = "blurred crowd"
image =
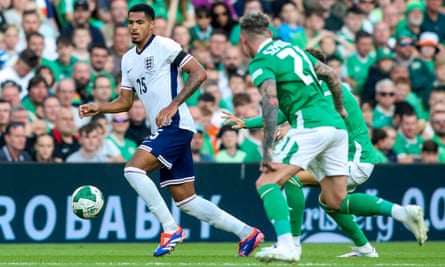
[{"x": 56, "y": 55}]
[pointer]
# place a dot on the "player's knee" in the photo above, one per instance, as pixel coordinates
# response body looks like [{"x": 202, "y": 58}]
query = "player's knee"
[{"x": 129, "y": 172}]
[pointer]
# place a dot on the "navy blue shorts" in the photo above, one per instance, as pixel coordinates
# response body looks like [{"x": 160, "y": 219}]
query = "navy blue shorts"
[{"x": 171, "y": 145}]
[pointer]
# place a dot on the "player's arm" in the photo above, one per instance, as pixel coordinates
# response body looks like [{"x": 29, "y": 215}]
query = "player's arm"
[
  {"x": 327, "y": 74},
  {"x": 268, "y": 89},
  {"x": 254, "y": 122},
  {"x": 122, "y": 103}
]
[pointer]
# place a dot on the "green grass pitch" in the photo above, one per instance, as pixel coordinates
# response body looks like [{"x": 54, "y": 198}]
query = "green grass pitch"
[{"x": 407, "y": 254}]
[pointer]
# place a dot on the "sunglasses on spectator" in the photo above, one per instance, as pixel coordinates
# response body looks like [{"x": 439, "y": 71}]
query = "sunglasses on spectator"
[
  {"x": 406, "y": 43},
  {"x": 387, "y": 94},
  {"x": 119, "y": 120}
]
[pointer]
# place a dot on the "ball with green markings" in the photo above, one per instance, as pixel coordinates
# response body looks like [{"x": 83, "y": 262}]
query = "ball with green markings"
[{"x": 87, "y": 202}]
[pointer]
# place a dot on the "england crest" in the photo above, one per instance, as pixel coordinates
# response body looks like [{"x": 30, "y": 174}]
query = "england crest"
[{"x": 149, "y": 63}]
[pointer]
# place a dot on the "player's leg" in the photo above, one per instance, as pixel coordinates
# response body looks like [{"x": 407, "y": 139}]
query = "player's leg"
[
  {"x": 277, "y": 211},
  {"x": 295, "y": 201},
  {"x": 187, "y": 201}
]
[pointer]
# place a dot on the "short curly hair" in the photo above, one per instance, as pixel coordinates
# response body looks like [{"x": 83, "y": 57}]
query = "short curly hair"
[{"x": 255, "y": 23}]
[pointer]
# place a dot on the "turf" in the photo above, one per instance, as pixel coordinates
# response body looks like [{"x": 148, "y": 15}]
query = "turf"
[{"x": 211, "y": 254}]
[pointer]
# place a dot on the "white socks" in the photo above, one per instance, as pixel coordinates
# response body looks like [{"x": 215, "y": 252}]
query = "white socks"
[
  {"x": 399, "y": 213},
  {"x": 148, "y": 191},
  {"x": 208, "y": 212}
]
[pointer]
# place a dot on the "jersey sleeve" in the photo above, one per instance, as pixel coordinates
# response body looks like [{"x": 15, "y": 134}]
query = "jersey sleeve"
[
  {"x": 125, "y": 81},
  {"x": 312, "y": 59},
  {"x": 261, "y": 70},
  {"x": 175, "y": 54}
]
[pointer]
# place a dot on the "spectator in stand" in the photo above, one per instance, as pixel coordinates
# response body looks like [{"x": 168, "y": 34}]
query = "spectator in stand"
[
  {"x": 15, "y": 141},
  {"x": 48, "y": 75},
  {"x": 384, "y": 110},
  {"x": 434, "y": 20},
  {"x": 233, "y": 64},
  {"x": 196, "y": 146},
  {"x": 20, "y": 114},
  {"x": 65, "y": 91},
  {"x": 218, "y": 45},
  {"x": 5, "y": 115},
  {"x": 229, "y": 151},
  {"x": 160, "y": 27},
  {"x": 81, "y": 42},
  {"x": 378, "y": 137},
  {"x": 347, "y": 35},
  {"x": 221, "y": 19},
  {"x": 101, "y": 90},
  {"x": 37, "y": 92},
  {"x": 358, "y": 63},
  {"x": 408, "y": 144},
  {"x": 412, "y": 21},
  {"x": 138, "y": 128},
  {"x": 333, "y": 23},
  {"x": 390, "y": 140},
  {"x": 66, "y": 142},
  {"x": 290, "y": 21},
  {"x": 9, "y": 53},
  {"x": 430, "y": 152},
  {"x": 118, "y": 10},
  {"x": 366, "y": 6},
  {"x": 62, "y": 66},
  {"x": 83, "y": 81},
  {"x": 181, "y": 35},
  {"x": 237, "y": 83},
  {"x": 392, "y": 16},
  {"x": 384, "y": 62},
  {"x": 10, "y": 91},
  {"x": 437, "y": 120},
  {"x": 420, "y": 75},
  {"x": 21, "y": 71},
  {"x": 89, "y": 139},
  {"x": 428, "y": 47},
  {"x": 312, "y": 31},
  {"x": 35, "y": 42},
  {"x": 382, "y": 36},
  {"x": 121, "y": 44},
  {"x": 119, "y": 126},
  {"x": 439, "y": 70},
  {"x": 98, "y": 57},
  {"x": 50, "y": 108},
  {"x": 403, "y": 93},
  {"x": 81, "y": 16},
  {"x": 202, "y": 29},
  {"x": 44, "y": 148},
  {"x": 252, "y": 145}
]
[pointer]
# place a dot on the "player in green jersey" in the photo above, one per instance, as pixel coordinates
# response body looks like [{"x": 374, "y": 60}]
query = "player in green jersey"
[{"x": 287, "y": 78}]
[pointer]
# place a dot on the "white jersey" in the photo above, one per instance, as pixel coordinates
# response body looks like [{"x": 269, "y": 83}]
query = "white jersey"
[{"x": 154, "y": 75}]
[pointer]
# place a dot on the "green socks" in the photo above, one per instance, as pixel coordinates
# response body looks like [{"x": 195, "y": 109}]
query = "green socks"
[
  {"x": 295, "y": 201},
  {"x": 276, "y": 208},
  {"x": 348, "y": 225},
  {"x": 365, "y": 205}
]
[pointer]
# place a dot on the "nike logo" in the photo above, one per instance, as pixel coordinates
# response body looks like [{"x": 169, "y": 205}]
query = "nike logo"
[{"x": 129, "y": 70}]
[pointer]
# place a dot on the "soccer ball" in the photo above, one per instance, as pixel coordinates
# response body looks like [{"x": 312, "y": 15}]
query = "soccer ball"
[{"x": 87, "y": 202}]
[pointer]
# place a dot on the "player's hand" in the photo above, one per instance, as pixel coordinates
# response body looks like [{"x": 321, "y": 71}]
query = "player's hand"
[
  {"x": 166, "y": 114},
  {"x": 232, "y": 119},
  {"x": 266, "y": 164},
  {"x": 87, "y": 110}
]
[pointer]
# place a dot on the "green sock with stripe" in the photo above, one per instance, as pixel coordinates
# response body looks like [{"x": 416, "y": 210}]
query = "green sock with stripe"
[
  {"x": 365, "y": 205},
  {"x": 276, "y": 208},
  {"x": 295, "y": 201}
]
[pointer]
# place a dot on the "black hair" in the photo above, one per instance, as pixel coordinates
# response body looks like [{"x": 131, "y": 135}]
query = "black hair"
[
  {"x": 98, "y": 45},
  {"x": 362, "y": 34},
  {"x": 37, "y": 80},
  {"x": 13, "y": 124},
  {"x": 430, "y": 146},
  {"x": 378, "y": 134},
  {"x": 65, "y": 40},
  {"x": 207, "y": 97},
  {"x": 29, "y": 57},
  {"x": 148, "y": 10}
]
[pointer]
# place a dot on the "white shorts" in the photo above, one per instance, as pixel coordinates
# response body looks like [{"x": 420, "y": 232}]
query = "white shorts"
[
  {"x": 359, "y": 172},
  {"x": 322, "y": 150}
]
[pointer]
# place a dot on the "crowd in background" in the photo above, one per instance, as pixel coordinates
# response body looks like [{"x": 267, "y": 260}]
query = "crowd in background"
[{"x": 56, "y": 55}]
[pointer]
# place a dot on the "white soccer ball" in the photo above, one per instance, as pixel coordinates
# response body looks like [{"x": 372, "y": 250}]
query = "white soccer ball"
[{"x": 87, "y": 202}]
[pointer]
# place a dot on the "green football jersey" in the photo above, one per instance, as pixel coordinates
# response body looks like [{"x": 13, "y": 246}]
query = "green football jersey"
[
  {"x": 358, "y": 68},
  {"x": 359, "y": 142},
  {"x": 300, "y": 95},
  {"x": 405, "y": 147}
]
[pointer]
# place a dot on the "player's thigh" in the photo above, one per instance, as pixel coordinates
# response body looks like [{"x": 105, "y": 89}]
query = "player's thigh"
[
  {"x": 281, "y": 174},
  {"x": 144, "y": 160},
  {"x": 307, "y": 178}
]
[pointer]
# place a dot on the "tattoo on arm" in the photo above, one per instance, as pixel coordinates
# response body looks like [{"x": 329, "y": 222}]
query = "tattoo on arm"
[
  {"x": 196, "y": 76},
  {"x": 327, "y": 74},
  {"x": 270, "y": 116}
]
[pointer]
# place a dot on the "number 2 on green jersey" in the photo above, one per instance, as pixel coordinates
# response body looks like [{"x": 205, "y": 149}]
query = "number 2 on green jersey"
[{"x": 298, "y": 59}]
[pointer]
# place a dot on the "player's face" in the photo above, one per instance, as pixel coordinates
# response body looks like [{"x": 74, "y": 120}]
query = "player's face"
[{"x": 140, "y": 27}]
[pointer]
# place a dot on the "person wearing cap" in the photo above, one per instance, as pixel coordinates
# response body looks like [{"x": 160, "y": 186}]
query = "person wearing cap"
[
  {"x": 412, "y": 21},
  {"x": 428, "y": 47},
  {"x": 81, "y": 16},
  {"x": 434, "y": 20},
  {"x": 420, "y": 75},
  {"x": 384, "y": 62}
]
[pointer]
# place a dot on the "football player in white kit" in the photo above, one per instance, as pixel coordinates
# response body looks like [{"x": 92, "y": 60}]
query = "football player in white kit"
[{"x": 151, "y": 70}]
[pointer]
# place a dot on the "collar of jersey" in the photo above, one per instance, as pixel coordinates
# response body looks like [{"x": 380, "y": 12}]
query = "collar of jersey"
[
  {"x": 146, "y": 45},
  {"x": 263, "y": 44}
]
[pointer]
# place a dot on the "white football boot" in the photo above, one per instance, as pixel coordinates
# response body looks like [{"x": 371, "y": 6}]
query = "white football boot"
[
  {"x": 416, "y": 223},
  {"x": 364, "y": 251},
  {"x": 279, "y": 253}
]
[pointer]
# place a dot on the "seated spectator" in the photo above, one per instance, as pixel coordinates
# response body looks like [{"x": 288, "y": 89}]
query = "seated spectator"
[
  {"x": 202, "y": 29},
  {"x": 66, "y": 142},
  {"x": 221, "y": 19},
  {"x": 138, "y": 129},
  {"x": 37, "y": 92},
  {"x": 437, "y": 120},
  {"x": 229, "y": 151},
  {"x": 430, "y": 152},
  {"x": 312, "y": 31},
  {"x": 196, "y": 146},
  {"x": 9, "y": 53},
  {"x": 104, "y": 128},
  {"x": 390, "y": 140},
  {"x": 378, "y": 137},
  {"x": 10, "y": 91},
  {"x": 119, "y": 125},
  {"x": 15, "y": 142},
  {"x": 89, "y": 139},
  {"x": 384, "y": 110},
  {"x": 50, "y": 108},
  {"x": 401, "y": 108},
  {"x": 439, "y": 71},
  {"x": 5, "y": 115},
  {"x": 428, "y": 47},
  {"x": 408, "y": 144},
  {"x": 44, "y": 148},
  {"x": 81, "y": 41},
  {"x": 252, "y": 145},
  {"x": 403, "y": 93},
  {"x": 290, "y": 21}
]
